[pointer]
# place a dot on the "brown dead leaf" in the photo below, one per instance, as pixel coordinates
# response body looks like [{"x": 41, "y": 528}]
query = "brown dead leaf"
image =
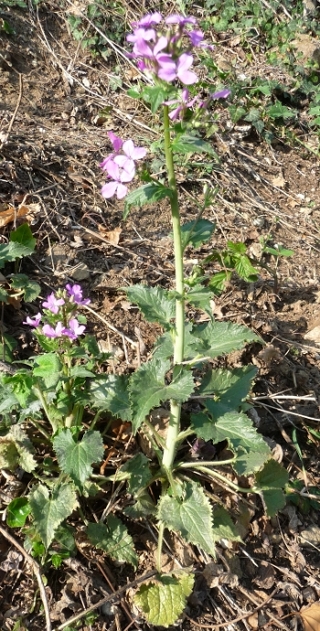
[
  {"x": 278, "y": 181},
  {"x": 111, "y": 235},
  {"x": 310, "y": 617},
  {"x": 9, "y": 213}
]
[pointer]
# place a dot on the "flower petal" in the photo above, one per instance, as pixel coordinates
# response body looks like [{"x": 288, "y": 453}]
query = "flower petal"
[{"x": 108, "y": 190}]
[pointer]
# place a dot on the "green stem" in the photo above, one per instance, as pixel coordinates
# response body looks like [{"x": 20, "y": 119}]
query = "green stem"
[
  {"x": 178, "y": 336},
  {"x": 42, "y": 399}
]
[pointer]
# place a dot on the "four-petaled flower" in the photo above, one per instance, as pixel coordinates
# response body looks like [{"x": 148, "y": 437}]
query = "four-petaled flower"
[
  {"x": 184, "y": 102},
  {"x": 74, "y": 329},
  {"x": 50, "y": 331},
  {"x": 35, "y": 321},
  {"x": 169, "y": 70},
  {"x": 52, "y": 303},
  {"x": 76, "y": 295},
  {"x": 119, "y": 176}
]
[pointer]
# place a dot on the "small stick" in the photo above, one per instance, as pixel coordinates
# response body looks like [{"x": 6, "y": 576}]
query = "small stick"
[
  {"x": 227, "y": 623},
  {"x": 37, "y": 573}
]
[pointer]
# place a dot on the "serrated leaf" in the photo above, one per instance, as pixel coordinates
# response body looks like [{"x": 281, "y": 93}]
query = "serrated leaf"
[
  {"x": 229, "y": 388},
  {"x": 144, "y": 506},
  {"x": 11, "y": 251},
  {"x": 270, "y": 482},
  {"x": 162, "y": 602},
  {"x": 218, "y": 338},
  {"x": 147, "y": 194},
  {"x": 250, "y": 449},
  {"x": 48, "y": 367},
  {"x": 155, "y": 95},
  {"x": 196, "y": 232},
  {"x": 50, "y": 509},
  {"x": 188, "y": 143},
  {"x": 114, "y": 539},
  {"x": 139, "y": 474},
  {"x": 16, "y": 448},
  {"x": 245, "y": 269},
  {"x": 190, "y": 514},
  {"x": 148, "y": 388},
  {"x": 76, "y": 457},
  {"x": 154, "y": 302},
  {"x": 111, "y": 393},
  {"x": 223, "y": 527}
]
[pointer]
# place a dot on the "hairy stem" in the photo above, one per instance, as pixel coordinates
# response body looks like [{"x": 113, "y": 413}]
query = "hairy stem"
[{"x": 178, "y": 336}]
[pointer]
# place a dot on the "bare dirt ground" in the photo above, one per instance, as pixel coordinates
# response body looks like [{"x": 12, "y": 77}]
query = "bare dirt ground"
[{"x": 52, "y": 94}]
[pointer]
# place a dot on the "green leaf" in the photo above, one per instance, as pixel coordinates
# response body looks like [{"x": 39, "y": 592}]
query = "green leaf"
[
  {"x": 188, "y": 143},
  {"x": 50, "y": 509},
  {"x": 30, "y": 288},
  {"x": 17, "y": 512},
  {"x": 49, "y": 368},
  {"x": 16, "y": 449},
  {"x": 229, "y": 387},
  {"x": 200, "y": 297},
  {"x": 111, "y": 393},
  {"x": 270, "y": 482},
  {"x": 219, "y": 338},
  {"x": 139, "y": 474},
  {"x": 250, "y": 449},
  {"x": 190, "y": 514},
  {"x": 196, "y": 232},
  {"x": 154, "y": 302},
  {"x": 245, "y": 269},
  {"x": 155, "y": 95},
  {"x": 162, "y": 602},
  {"x": 151, "y": 192},
  {"x": 144, "y": 506},
  {"x": 81, "y": 372},
  {"x": 114, "y": 539},
  {"x": 11, "y": 251},
  {"x": 148, "y": 388},
  {"x": 76, "y": 458},
  {"x": 224, "y": 528},
  {"x": 24, "y": 237}
]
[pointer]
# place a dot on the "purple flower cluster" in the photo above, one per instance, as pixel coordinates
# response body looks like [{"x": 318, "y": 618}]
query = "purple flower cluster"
[
  {"x": 120, "y": 167},
  {"x": 73, "y": 297},
  {"x": 162, "y": 47}
]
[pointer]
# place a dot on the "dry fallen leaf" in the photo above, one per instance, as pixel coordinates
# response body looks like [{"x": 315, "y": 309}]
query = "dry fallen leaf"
[
  {"x": 111, "y": 235},
  {"x": 9, "y": 213},
  {"x": 310, "y": 617}
]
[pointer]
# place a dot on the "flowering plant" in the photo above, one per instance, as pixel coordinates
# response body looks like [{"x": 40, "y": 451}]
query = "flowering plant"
[{"x": 63, "y": 392}]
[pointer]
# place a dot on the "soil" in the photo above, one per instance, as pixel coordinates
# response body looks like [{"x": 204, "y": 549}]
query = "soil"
[{"x": 52, "y": 138}]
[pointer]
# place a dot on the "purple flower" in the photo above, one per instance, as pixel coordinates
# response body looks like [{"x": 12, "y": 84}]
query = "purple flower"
[
  {"x": 119, "y": 176},
  {"x": 180, "y": 20},
  {"x": 196, "y": 38},
  {"x": 177, "y": 113},
  {"x": 180, "y": 69},
  {"x": 141, "y": 33},
  {"x": 116, "y": 141},
  {"x": 49, "y": 331},
  {"x": 149, "y": 20},
  {"x": 142, "y": 49},
  {"x": 132, "y": 153},
  {"x": 221, "y": 94},
  {"x": 74, "y": 329},
  {"x": 75, "y": 294},
  {"x": 52, "y": 303},
  {"x": 33, "y": 321}
]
